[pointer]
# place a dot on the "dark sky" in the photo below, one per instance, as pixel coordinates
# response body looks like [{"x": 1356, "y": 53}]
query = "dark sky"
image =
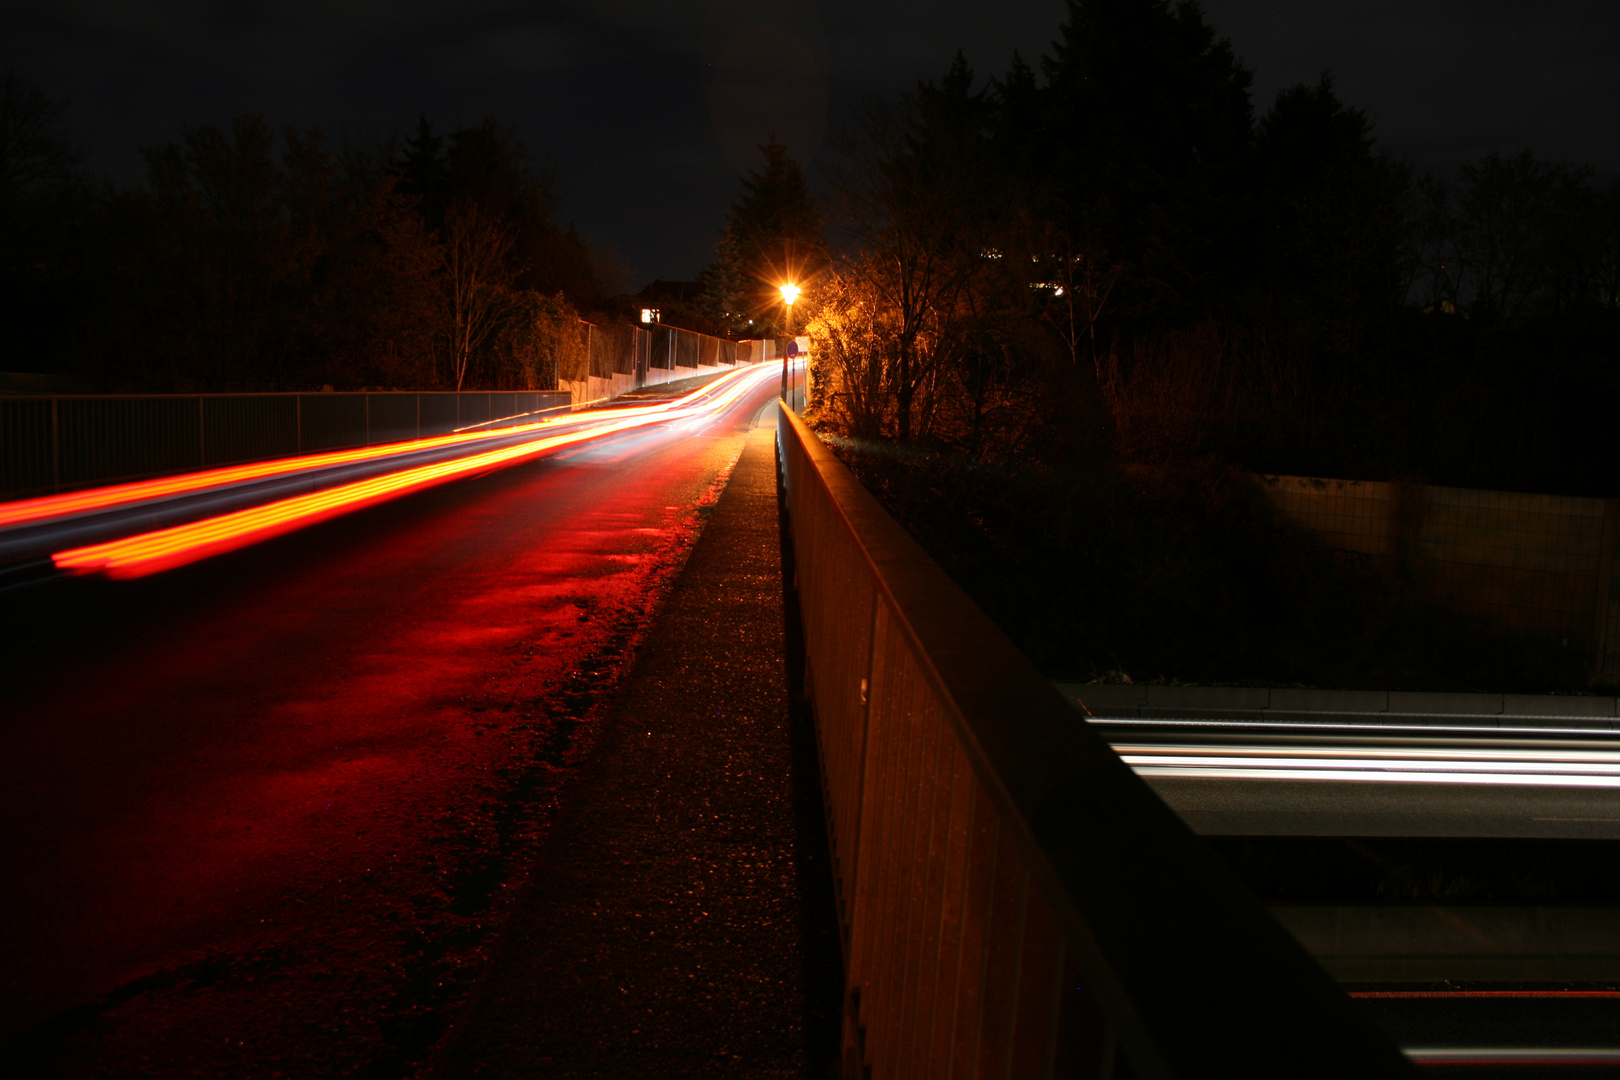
[{"x": 648, "y": 108}]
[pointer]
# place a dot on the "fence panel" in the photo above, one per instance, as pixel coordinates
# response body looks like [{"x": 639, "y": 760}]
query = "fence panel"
[
  {"x": 440, "y": 413},
  {"x": 99, "y": 437},
  {"x": 475, "y": 409},
  {"x": 662, "y": 341},
  {"x": 643, "y": 342},
  {"x": 27, "y": 444},
  {"x": 502, "y": 407},
  {"x": 331, "y": 421},
  {"x": 392, "y": 417},
  {"x": 1014, "y": 899},
  {"x": 248, "y": 427},
  {"x": 52, "y": 443},
  {"x": 686, "y": 348}
]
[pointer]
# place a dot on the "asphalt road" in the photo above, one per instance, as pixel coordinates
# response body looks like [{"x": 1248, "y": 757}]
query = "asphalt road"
[{"x": 263, "y": 815}]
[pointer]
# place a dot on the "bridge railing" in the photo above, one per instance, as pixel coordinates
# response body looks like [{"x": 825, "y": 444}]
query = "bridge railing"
[{"x": 1014, "y": 900}]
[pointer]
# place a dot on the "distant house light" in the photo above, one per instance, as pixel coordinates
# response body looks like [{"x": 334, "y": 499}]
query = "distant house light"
[{"x": 649, "y": 314}]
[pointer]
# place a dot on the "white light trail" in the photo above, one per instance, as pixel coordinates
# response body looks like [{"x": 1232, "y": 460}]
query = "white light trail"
[{"x": 1526, "y": 766}]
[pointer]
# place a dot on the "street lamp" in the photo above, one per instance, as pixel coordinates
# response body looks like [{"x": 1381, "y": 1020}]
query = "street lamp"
[{"x": 790, "y": 293}]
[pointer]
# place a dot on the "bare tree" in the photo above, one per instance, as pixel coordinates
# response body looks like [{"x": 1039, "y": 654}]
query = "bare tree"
[
  {"x": 473, "y": 259},
  {"x": 1082, "y": 278},
  {"x": 32, "y": 153},
  {"x": 911, "y": 208}
]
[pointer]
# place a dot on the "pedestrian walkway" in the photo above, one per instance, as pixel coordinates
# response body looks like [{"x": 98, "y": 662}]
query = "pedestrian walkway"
[{"x": 682, "y": 921}]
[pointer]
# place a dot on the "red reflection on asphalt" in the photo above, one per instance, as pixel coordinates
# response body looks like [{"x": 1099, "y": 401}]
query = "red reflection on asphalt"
[{"x": 295, "y": 777}]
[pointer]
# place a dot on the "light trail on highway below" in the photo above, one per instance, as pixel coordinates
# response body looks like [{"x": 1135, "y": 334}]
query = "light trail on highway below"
[
  {"x": 1451, "y": 872},
  {"x": 1368, "y": 759},
  {"x": 162, "y": 549}
]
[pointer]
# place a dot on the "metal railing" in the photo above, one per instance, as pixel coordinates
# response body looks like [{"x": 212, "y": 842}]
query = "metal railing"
[
  {"x": 55, "y": 443},
  {"x": 1014, "y": 900}
]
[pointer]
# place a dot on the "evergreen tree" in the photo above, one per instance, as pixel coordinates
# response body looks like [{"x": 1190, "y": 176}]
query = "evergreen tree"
[
  {"x": 774, "y": 232},
  {"x": 1147, "y": 133},
  {"x": 42, "y": 213},
  {"x": 724, "y": 290},
  {"x": 1329, "y": 215},
  {"x": 422, "y": 172}
]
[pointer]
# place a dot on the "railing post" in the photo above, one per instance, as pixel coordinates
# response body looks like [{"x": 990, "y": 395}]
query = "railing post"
[{"x": 56, "y": 448}]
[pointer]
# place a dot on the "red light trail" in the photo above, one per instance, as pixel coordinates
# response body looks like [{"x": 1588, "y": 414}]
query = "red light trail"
[
  {"x": 46, "y": 507},
  {"x": 162, "y": 549}
]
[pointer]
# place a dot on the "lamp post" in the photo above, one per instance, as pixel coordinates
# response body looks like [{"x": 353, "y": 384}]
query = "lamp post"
[{"x": 790, "y": 293}]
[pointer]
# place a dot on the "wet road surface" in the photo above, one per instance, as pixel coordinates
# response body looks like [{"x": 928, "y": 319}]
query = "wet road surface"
[{"x": 263, "y": 815}]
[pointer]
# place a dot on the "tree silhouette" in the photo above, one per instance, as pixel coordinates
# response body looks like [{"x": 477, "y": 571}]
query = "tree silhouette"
[
  {"x": 774, "y": 232},
  {"x": 1146, "y": 131}
]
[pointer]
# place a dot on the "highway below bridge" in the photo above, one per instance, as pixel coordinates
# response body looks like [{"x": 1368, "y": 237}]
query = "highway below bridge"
[{"x": 1458, "y": 872}]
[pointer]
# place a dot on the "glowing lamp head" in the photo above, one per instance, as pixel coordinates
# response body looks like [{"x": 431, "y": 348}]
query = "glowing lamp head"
[{"x": 790, "y": 293}]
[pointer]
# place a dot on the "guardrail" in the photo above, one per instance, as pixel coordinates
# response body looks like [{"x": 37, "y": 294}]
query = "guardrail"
[
  {"x": 55, "y": 443},
  {"x": 1014, "y": 900}
]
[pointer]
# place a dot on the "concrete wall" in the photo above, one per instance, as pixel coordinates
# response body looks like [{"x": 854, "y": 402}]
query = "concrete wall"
[{"x": 1537, "y": 563}]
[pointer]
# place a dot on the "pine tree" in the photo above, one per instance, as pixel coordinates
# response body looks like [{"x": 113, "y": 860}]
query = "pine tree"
[
  {"x": 423, "y": 173},
  {"x": 1148, "y": 133},
  {"x": 774, "y": 232},
  {"x": 724, "y": 288}
]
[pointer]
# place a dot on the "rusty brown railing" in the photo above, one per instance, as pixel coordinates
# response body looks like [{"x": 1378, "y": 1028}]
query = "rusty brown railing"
[{"x": 1014, "y": 900}]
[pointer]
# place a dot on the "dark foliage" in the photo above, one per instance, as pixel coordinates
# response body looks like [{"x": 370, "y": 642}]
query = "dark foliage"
[
  {"x": 1277, "y": 293},
  {"x": 252, "y": 260},
  {"x": 1184, "y": 573},
  {"x": 1145, "y": 145},
  {"x": 1078, "y": 312}
]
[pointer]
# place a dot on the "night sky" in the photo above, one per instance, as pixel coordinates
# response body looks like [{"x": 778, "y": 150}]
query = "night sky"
[{"x": 647, "y": 109}]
